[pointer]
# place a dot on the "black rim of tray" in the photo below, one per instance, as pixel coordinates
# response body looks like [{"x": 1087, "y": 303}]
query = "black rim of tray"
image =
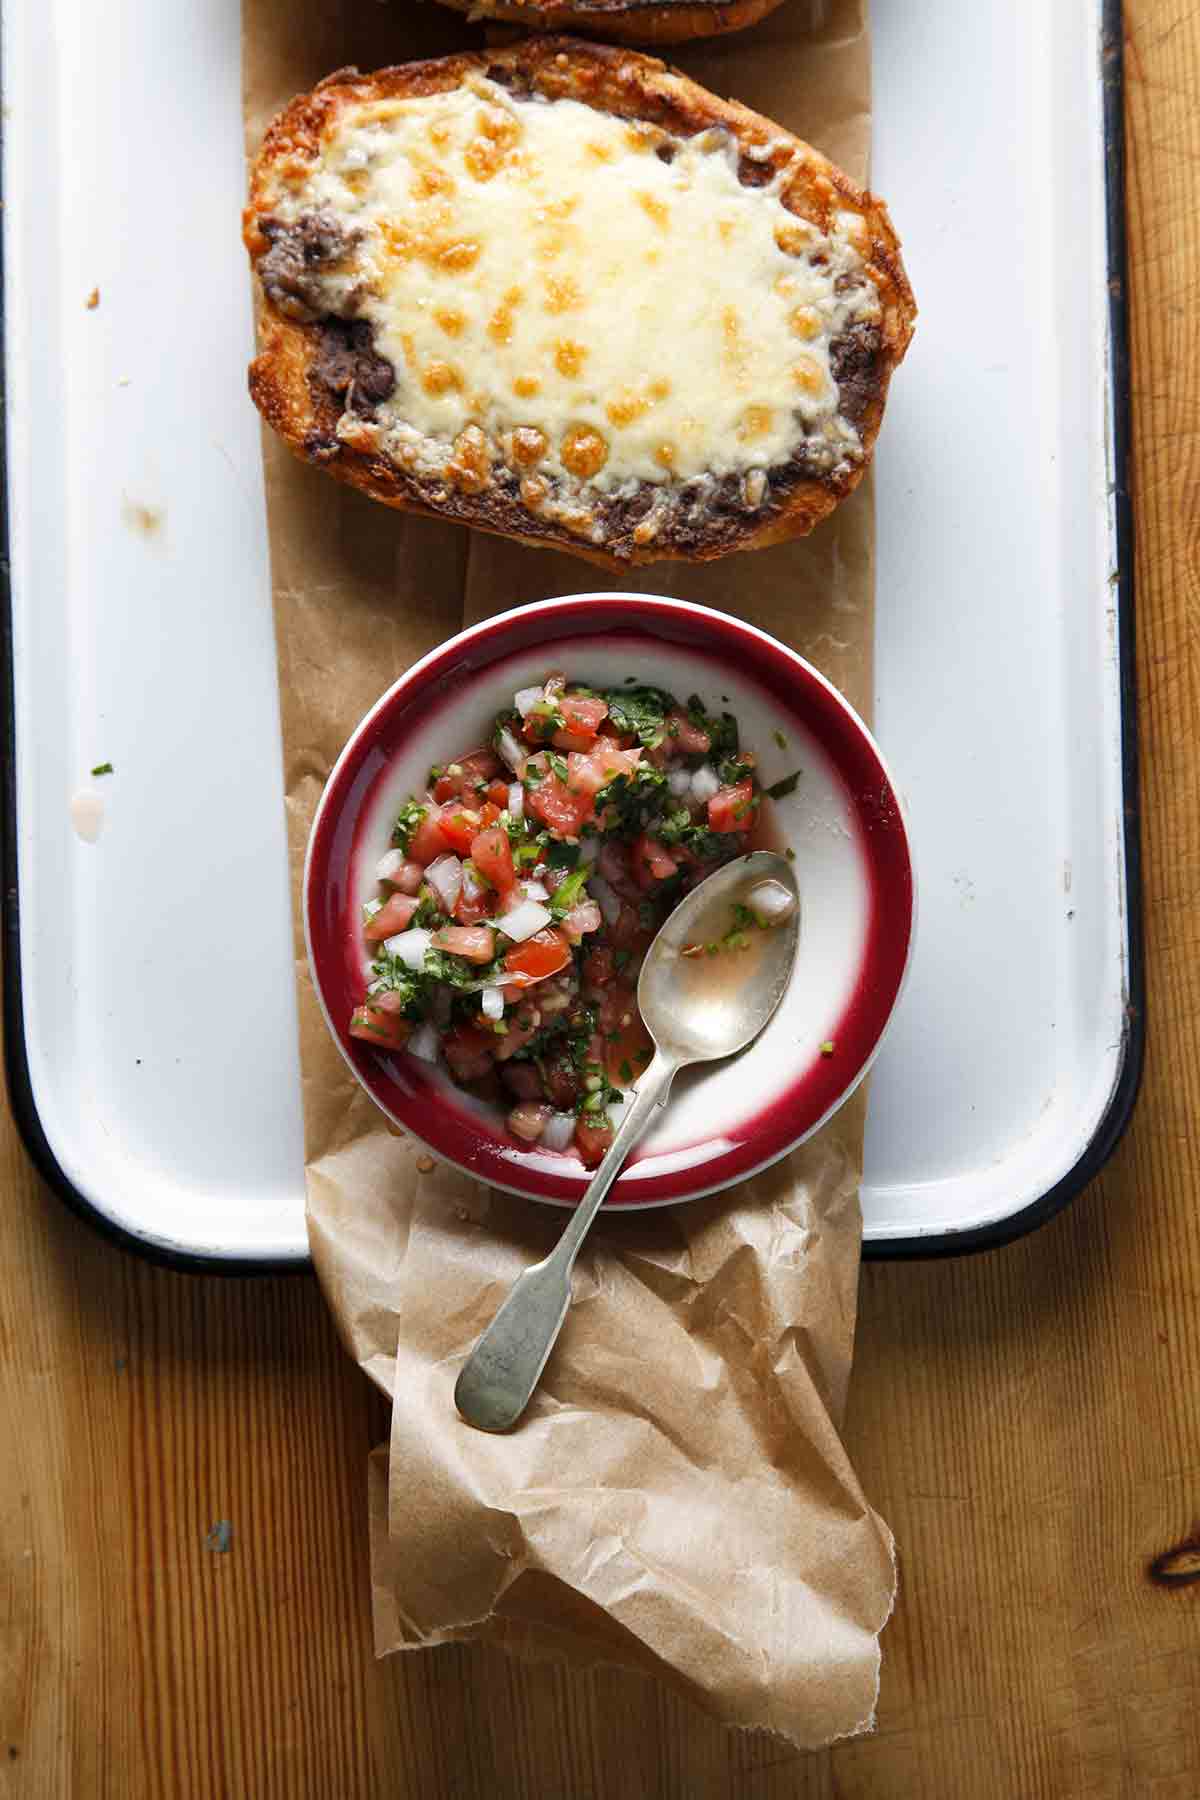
[{"x": 952, "y": 1243}]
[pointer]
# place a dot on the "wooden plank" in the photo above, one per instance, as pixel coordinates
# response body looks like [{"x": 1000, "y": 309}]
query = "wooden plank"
[{"x": 1029, "y": 1421}]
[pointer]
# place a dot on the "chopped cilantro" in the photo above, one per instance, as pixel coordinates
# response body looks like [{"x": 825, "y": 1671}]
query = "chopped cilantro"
[
  {"x": 103, "y": 769},
  {"x": 560, "y": 855},
  {"x": 779, "y": 790},
  {"x": 640, "y": 712},
  {"x": 429, "y": 915},
  {"x": 453, "y": 971},
  {"x": 722, "y": 729},
  {"x": 397, "y": 978},
  {"x": 626, "y": 1069},
  {"x": 780, "y": 739},
  {"x": 408, "y": 821},
  {"x": 633, "y": 797},
  {"x": 557, "y": 765}
]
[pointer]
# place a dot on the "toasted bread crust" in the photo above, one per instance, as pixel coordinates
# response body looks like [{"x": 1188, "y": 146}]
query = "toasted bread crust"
[
  {"x": 659, "y": 23},
  {"x": 284, "y": 378}
]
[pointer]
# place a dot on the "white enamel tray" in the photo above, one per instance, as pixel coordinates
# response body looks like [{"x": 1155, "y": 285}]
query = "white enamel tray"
[{"x": 149, "y": 1003}]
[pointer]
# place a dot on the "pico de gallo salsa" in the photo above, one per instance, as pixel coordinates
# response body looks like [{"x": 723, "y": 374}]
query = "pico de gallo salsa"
[{"x": 524, "y": 886}]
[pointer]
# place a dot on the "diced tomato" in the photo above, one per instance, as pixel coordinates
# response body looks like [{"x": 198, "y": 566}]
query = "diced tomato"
[
  {"x": 394, "y": 915},
  {"x": 592, "y": 1141},
  {"x": 497, "y": 794},
  {"x": 683, "y": 735},
  {"x": 582, "y": 715},
  {"x": 598, "y": 968},
  {"x": 523, "y": 1024},
  {"x": 730, "y": 808},
  {"x": 627, "y": 931},
  {"x": 474, "y": 943},
  {"x": 408, "y": 878},
  {"x": 613, "y": 864},
  {"x": 580, "y": 920},
  {"x": 545, "y": 953},
  {"x": 492, "y": 855},
  {"x": 523, "y": 1080},
  {"x": 488, "y": 814},
  {"x": 555, "y": 805},
  {"x": 380, "y": 1021},
  {"x": 588, "y": 774},
  {"x": 562, "y": 1083},
  {"x": 428, "y": 841},
  {"x": 571, "y": 740},
  {"x": 475, "y": 902},
  {"x": 469, "y": 1052},
  {"x": 466, "y": 775},
  {"x": 538, "y": 728},
  {"x": 528, "y": 1120},
  {"x": 652, "y": 861},
  {"x": 459, "y": 825}
]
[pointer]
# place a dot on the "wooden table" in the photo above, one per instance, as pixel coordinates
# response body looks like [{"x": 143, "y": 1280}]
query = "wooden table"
[{"x": 1028, "y": 1421}]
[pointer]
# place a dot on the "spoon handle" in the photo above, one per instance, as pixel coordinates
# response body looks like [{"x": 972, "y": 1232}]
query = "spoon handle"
[{"x": 502, "y": 1371}]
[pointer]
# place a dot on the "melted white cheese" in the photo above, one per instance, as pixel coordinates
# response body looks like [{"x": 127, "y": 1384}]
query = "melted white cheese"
[{"x": 534, "y": 267}]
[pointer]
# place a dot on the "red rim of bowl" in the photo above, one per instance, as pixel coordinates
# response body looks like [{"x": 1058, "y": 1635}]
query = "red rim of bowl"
[{"x": 403, "y": 1088}]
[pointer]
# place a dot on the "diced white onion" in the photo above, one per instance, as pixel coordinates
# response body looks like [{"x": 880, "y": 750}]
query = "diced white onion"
[
  {"x": 535, "y": 890},
  {"x": 410, "y": 947},
  {"x": 771, "y": 902},
  {"x": 605, "y": 897},
  {"x": 389, "y": 866},
  {"x": 371, "y": 908},
  {"x": 472, "y": 887},
  {"x": 424, "y": 1043},
  {"x": 679, "y": 781},
  {"x": 705, "y": 782},
  {"x": 445, "y": 877},
  {"x": 510, "y": 751},
  {"x": 558, "y": 1131},
  {"x": 516, "y": 800},
  {"x": 525, "y": 699},
  {"x": 491, "y": 1003},
  {"x": 589, "y": 849},
  {"x": 524, "y": 920}
]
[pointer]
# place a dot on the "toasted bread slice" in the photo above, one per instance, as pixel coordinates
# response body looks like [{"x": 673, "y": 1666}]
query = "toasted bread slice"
[
  {"x": 561, "y": 292},
  {"x": 657, "y": 22}
]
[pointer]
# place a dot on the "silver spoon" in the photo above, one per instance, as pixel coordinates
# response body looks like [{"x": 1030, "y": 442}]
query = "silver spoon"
[{"x": 696, "y": 1008}]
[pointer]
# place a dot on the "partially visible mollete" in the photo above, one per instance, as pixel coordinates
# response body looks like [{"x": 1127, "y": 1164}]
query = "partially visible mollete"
[{"x": 477, "y": 329}]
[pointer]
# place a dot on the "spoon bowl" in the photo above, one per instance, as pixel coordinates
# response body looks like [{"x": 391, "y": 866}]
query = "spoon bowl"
[
  {"x": 700, "y": 1004},
  {"x": 711, "y": 980}
]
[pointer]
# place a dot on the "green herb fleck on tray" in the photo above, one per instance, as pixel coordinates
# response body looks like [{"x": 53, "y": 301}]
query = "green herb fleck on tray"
[{"x": 103, "y": 769}]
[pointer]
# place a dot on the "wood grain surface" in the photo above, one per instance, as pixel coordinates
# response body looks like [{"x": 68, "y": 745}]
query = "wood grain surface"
[{"x": 184, "y": 1604}]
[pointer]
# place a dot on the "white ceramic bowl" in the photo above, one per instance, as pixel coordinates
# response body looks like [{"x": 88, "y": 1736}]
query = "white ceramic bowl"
[{"x": 844, "y": 822}]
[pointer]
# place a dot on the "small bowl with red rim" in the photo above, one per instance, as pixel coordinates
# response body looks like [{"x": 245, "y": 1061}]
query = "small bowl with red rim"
[{"x": 843, "y": 823}]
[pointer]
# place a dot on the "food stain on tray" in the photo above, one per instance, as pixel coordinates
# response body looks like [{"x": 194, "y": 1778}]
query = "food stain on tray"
[{"x": 146, "y": 521}]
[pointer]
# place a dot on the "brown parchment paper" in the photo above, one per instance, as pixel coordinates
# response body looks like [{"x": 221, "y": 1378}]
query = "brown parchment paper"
[{"x": 677, "y": 1499}]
